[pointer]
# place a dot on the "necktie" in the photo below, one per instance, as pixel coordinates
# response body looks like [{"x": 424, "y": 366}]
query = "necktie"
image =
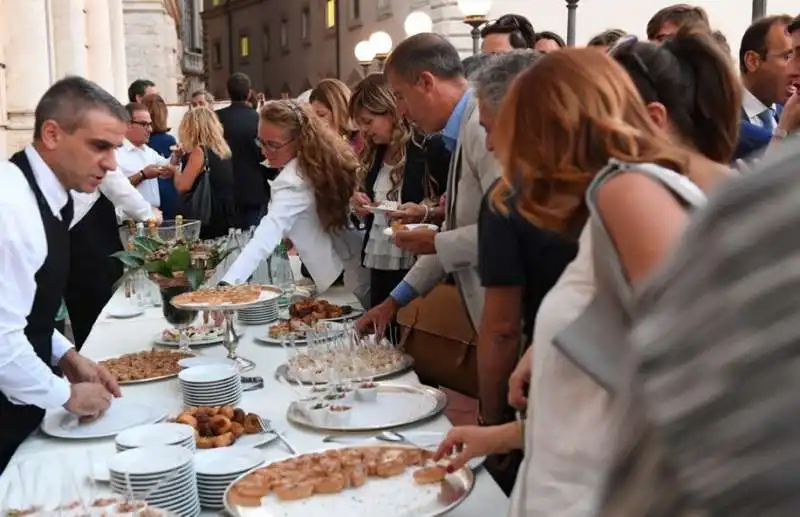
[
  {"x": 67, "y": 211},
  {"x": 767, "y": 117}
]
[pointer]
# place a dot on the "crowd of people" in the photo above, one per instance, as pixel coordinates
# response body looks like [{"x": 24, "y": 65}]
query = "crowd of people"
[{"x": 609, "y": 215}]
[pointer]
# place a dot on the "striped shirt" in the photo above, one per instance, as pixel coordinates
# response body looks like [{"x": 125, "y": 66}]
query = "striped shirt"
[{"x": 711, "y": 423}]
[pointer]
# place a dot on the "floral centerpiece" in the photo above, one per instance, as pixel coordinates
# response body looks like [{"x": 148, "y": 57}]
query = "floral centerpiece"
[{"x": 173, "y": 263}]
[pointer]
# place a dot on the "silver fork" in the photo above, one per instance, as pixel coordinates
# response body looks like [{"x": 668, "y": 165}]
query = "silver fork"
[{"x": 267, "y": 428}]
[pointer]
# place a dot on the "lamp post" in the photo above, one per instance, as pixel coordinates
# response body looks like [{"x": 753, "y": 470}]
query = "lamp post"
[
  {"x": 475, "y": 13},
  {"x": 381, "y": 43},
  {"x": 759, "y": 9},
  {"x": 572, "y": 12},
  {"x": 365, "y": 54},
  {"x": 417, "y": 23}
]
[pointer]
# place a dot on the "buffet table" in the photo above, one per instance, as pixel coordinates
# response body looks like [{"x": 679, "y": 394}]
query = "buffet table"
[{"x": 112, "y": 337}]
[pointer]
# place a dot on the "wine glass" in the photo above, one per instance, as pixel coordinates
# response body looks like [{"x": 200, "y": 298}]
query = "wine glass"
[{"x": 180, "y": 318}]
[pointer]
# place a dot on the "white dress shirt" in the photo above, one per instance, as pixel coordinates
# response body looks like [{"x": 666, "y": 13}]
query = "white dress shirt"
[
  {"x": 292, "y": 213},
  {"x": 24, "y": 378},
  {"x": 118, "y": 189},
  {"x": 753, "y": 108},
  {"x": 131, "y": 160}
]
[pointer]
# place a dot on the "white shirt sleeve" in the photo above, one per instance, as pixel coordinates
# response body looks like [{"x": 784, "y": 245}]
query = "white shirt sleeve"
[
  {"x": 61, "y": 345},
  {"x": 118, "y": 189},
  {"x": 154, "y": 158},
  {"x": 24, "y": 378},
  {"x": 286, "y": 204}
]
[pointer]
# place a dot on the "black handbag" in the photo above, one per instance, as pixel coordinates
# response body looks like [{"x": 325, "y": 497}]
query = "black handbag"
[{"x": 198, "y": 203}]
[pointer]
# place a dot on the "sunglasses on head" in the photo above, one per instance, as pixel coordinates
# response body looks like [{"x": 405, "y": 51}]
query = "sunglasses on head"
[{"x": 622, "y": 52}]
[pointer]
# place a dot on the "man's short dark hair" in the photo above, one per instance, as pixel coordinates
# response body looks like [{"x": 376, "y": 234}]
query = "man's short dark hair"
[
  {"x": 519, "y": 29},
  {"x": 425, "y": 52},
  {"x": 607, "y": 38},
  {"x": 133, "y": 107},
  {"x": 678, "y": 15},
  {"x": 69, "y": 100},
  {"x": 722, "y": 41},
  {"x": 552, "y": 36},
  {"x": 239, "y": 87},
  {"x": 794, "y": 25},
  {"x": 139, "y": 88},
  {"x": 754, "y": 38}
]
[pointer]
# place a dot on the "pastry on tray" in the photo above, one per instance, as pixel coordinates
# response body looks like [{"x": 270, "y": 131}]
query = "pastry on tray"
[
  {"x": 220, "y": 295},
  {"x": 332, "y": 472},
  {"x": 141, "y": 366},
  {"x": 219, "y": 426}
]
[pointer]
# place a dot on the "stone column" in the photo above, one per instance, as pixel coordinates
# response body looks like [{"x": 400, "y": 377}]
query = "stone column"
[
  {"x": 120, "y": 63},
  {"x": 69, "y": 35},
  {"x": 98, "y": 40},
  {"x": 27, "y": 59}
]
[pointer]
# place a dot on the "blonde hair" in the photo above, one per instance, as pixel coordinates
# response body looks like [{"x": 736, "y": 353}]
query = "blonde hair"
[
  {"x": 373, "y": 95},
  {"x": 335, "y": 95},
  {"x": 200, "y": 127},
  {"x": 324, "y": 159}
]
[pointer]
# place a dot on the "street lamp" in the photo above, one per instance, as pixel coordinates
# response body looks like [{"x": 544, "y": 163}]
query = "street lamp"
[
  {"x": 417, "y": 23},
  {"x": 759, "y": 9},
  {"x": 475, "y": 13},
  {"x": 381, "y": 43},
  {"x": 365, "y": 54},
  {"x": 572, "y": 11}
]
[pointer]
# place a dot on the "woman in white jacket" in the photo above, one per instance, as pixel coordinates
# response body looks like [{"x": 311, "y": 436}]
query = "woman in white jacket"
[{"x": 310, "y": 196}]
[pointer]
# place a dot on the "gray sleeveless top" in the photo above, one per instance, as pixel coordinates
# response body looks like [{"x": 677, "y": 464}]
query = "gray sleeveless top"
[{"x": 596, "y": 341}]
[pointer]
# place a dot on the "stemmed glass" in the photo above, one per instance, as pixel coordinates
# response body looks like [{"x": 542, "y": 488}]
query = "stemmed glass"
[{"x": 180, "y": 318}]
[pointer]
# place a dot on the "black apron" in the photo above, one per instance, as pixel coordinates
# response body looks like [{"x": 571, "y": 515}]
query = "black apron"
[
  {"x": 19, "y": 421},
  {"x": 93, "y": 271}
]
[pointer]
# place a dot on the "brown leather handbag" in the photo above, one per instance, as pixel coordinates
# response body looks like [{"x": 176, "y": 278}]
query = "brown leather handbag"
[{"x": 438, "y": 334}]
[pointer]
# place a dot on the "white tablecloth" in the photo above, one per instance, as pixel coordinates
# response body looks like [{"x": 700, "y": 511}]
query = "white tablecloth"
[{"x": 112, "y": 337}]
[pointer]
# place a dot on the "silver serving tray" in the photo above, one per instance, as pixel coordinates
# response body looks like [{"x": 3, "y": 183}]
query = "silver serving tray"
[
  {"x": 460, "y": 483},
  {"x": 283, "y": 372},
  {"x": 268, "y": 293},
  {"x": 299, "y": 415}
]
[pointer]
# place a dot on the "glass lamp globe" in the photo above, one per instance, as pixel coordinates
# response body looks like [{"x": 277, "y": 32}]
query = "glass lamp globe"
[
  {"x": 417, "y": 23},
  {"x": 364, "y": 52},
  {"x": 381, "y": 43},
  {"x": 475, "y": 9}
]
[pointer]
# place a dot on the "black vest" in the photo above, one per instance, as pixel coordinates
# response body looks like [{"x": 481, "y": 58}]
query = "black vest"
[{"x": 51, "y": 278}]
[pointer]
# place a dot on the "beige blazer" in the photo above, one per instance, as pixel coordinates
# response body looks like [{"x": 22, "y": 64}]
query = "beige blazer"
[{"x": 457, "y": 244}]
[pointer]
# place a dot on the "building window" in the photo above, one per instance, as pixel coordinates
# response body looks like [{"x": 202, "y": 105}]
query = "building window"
[
  {"x": 355, "y": 9},
  {"x": 305, "y": 17},
  {"x": 330, "y": 13},
  {"x": 244, "y": 46},
  {"x": 216, "y": 53},
  {"x": 265, "y": 43},
  {"x": 215, "y": 3},
  {"x": 284, "y": 35}
]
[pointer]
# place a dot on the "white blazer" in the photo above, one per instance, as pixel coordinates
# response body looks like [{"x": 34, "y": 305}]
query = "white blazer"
[{"x": 292, "y": 214}]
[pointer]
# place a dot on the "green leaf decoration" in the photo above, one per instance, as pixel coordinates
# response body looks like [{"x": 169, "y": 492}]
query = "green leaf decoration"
[
  {"x": 196, "y": 277},
  {"x": 129, "y": 258},
  {"x": 147, "y": 244},
  {"x": 179, "y": 259},
  {"x": 159, "y": 266}
]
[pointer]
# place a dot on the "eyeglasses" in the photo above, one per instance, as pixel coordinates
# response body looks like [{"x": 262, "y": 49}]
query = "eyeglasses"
[
  {"x": 142, "y": 123},
  {"x": 271, "y": 146}
]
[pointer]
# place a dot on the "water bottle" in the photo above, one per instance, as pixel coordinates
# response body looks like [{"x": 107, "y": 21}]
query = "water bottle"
[{"x": 280, "y": 272}]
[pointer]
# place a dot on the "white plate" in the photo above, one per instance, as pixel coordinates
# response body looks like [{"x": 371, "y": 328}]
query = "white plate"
[
  {"x": 191, "y": 362},
  {"x": 123, "y": 413},
  {"x": 196, "y": 341},
  {"x": 155, "y": 434},
  {"x": 210, "y": 387},
  {"x": 207, "y": 374},
  {"x": 267, "y": 295},
  {"x": 227, "y": 461},
  {"x": 149, "y": 461},
  {"x": 396, "y": 405},
  {"x": 124, "y": 310},
  {"x": 411, "y": 227}
]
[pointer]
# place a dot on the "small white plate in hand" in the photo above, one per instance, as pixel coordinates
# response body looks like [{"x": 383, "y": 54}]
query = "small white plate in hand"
[{"x": 410, "y": 228}]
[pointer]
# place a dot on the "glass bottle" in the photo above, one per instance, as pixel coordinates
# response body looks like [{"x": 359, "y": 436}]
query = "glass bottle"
[{"x": 280, "y": 272}]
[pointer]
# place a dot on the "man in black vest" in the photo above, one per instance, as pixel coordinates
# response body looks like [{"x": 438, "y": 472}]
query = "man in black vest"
[{"x": 77, "y": 128}]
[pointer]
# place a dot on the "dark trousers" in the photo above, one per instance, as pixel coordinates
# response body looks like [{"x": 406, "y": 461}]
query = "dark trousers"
[
  {"x": 381, "y": 283},
  {"x": 93, "y": 271},
  {"x": 248, "y": 216}
]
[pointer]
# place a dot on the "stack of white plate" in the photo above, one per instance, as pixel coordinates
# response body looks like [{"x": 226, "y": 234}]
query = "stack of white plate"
[
  {"x": 156, "y": 434},
  {"x": 259, "y": 314},
  {"x": 218, "y": 468},
  {"x": 211, "y": 385},
  {"x": 163, "y": 475}
]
